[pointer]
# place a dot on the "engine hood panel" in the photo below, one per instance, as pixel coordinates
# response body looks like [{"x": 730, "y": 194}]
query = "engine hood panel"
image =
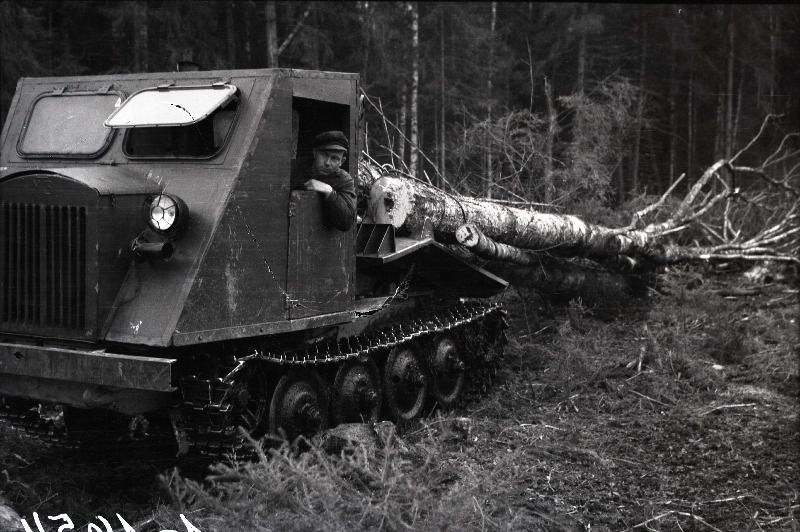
[{"x": 106, "y": 179}]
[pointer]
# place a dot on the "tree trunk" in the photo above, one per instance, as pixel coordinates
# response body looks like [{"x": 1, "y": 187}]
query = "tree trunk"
[
  {"x": 315, "y": 45},
  {"x": 719, "y": 137},
  {"x": 10, "y": 520},
  {"x": 272, "y": 34},
  {"x": 469, "y": 236},
  {"x": 673, "y": 117},
  {"x": 548, "y": 154},
  {"x": 443, "y": 141},
  {"x": 248, "y": 49},
  {"x": 639, "y": 112},
  {"x": 413, "y": 153},
  {"x": 582, "y": 50},
  {"x": 410, "y": 206},
  {"x": 401, "y": 137},
  {"x": 562, "y": 280},
  {"x": 729, "y": 115},
  {"x": 490, "y": 76},
  {"x": 140, "y": 50},
  {"x": 50, "y": 43},
  {"x": 230, "y": 34},
  {"x": 735, "y": 134},
  {"x": 690, "y": 121},
  {"x": 774, "y": 30}
]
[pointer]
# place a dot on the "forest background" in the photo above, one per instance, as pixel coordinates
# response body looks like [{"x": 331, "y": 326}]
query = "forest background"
[{"x": 568, "y": 104}]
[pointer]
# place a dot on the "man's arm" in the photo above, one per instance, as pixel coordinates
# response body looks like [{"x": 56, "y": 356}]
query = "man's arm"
[{"x": 340, "y": 204}]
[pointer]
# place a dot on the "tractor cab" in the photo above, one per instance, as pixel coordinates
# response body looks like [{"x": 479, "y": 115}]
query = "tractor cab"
[{"x": 177, "y": 220}]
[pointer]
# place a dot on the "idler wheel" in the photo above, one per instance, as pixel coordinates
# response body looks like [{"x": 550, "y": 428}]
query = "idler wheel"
[
  {"x": 358, "y": 393},
  {"x": 447, "y": 373},
  {"x": 405, "y": 383},
  {"x": 299, "y": 405}
]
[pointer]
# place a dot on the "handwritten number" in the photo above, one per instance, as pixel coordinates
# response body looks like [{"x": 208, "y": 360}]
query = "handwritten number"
[
  {"x": 125, "y": 526},
  {"x": 105, "y": 522},
  {"x": 35, "y": 518},
  {"x": 67, "y": 522},
  {"x": 94, "y": 528},
  {"x": 189, "y": 526}
]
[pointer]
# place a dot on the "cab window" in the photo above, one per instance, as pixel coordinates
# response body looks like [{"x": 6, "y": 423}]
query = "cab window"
[
  {"x": 68, "y": 125},
  {"x": 178, "y": 122}
]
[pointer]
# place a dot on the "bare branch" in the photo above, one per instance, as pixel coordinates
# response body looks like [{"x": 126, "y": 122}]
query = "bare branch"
[
  {"x": 286, "y": 42},
  {"x": 754, "y": 139},
  {"x": 637, "y": 216}
]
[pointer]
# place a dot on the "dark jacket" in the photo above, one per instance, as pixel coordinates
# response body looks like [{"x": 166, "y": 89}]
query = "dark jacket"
[{"x": 340, "y": 206}]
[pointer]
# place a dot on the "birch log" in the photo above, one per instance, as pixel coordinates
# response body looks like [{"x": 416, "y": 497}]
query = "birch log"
[
  {"x": 557, "y": 279},
  {"x": 408, "y": 204},
  {"x": 10, "y": 520},
  {"x": 469, "y": 236},
  {"x": 560, "y": 280}
]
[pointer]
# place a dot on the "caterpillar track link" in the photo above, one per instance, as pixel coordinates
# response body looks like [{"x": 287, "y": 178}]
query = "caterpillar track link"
[{"x": 209, "y": 417}]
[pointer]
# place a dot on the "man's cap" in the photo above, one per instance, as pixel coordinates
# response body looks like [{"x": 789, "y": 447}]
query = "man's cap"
[{"x": 331, "y": 140}]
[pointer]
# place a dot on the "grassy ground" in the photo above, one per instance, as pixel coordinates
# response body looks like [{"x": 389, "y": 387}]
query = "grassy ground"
[{"x": 677, "y": 415}]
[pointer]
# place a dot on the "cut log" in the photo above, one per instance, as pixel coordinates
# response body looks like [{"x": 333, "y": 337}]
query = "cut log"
[
  {"x": 10, "y": 521},
  {"x": 407, "y": 205},
  {"x": 469, "y": 236},
  {"x": 561, "y": 280},
  {"x": 411, "y": 205},
  {"x": 484, "y": 247}
]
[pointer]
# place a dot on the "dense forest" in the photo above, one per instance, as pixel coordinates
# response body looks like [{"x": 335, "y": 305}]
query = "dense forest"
[{"x": 560, "y": 103}]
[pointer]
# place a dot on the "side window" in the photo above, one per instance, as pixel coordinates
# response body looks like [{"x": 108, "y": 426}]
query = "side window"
[
  {"x": 202, "y": 139},
  {"x": 312, "y": 117}
]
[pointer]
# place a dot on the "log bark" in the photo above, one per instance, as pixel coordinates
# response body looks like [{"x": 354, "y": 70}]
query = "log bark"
[
  {"x": 408, "y": 204},
  {"x": 469, "y": 236},
  {"x": 472, "y": 238},
  {"x": 9, "y": 518},
  {"x": 561, "y": 280},
  {"x": 414, "y": 207}
]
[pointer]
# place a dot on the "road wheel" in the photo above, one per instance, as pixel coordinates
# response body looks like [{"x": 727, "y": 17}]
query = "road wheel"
[
  {"x": 299, "y": 405},
  {"x": 358, "y": 393},
  {"x": 405, "y": 383},
  {"x": 447, "y": 372}
]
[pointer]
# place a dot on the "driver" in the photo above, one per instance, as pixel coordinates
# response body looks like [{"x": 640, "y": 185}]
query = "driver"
[{"x": 326, "y": 177}]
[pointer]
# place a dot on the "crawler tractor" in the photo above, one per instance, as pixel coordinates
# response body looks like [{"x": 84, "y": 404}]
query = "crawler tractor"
[{"x": 157, "y": 258}]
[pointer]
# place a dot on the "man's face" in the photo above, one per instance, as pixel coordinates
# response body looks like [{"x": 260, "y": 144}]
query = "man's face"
[{"x": 327, "y": 162}]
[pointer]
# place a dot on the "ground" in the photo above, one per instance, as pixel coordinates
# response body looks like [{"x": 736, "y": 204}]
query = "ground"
[{"x": 679, "y": 413}]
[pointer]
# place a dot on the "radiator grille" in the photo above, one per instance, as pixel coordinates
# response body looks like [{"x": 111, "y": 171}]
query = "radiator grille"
[{"x": 43, "y": 266}]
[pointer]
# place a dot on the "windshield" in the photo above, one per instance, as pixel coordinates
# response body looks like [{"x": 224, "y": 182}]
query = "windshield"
[
  {"x": 170, "y": 106},
  {"x": 68, "y": 125}
]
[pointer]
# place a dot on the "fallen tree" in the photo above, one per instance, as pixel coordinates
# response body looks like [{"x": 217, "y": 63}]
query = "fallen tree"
[{"x": 500, "y": 232}]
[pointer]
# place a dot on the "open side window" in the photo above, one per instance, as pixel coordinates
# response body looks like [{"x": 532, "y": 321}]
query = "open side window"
[
  {"x": 177, "y": 122},
  {"x": 312, "y": 117}
]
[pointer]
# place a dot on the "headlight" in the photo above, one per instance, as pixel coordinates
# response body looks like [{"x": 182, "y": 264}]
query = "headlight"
[{"x": 166, "y": 213}]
